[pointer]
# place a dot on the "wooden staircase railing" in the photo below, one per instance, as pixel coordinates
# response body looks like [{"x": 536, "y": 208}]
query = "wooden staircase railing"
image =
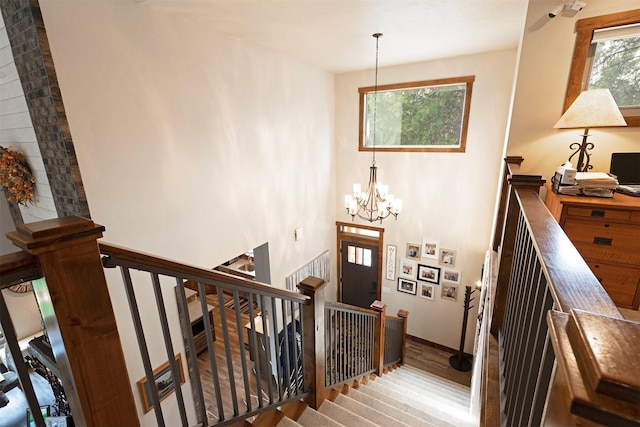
[
  {"x": 81, "y": 325},
  {"x": 565, "y": 355}
]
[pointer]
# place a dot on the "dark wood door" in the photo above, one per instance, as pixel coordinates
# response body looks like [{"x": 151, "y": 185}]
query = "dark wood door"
[{"x": 359, "y": 268}]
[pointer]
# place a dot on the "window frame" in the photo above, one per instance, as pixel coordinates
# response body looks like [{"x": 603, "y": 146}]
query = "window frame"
[
  {"x": 584, "y": 35},
  {"x": 467, "y": 80}
]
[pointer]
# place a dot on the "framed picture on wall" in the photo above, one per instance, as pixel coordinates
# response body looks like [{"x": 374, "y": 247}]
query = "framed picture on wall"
[
  {"x": 406, "y": 286},
  {"x": 413, "y": 251},
  {"x": 408, "y": 268},
  {"x": 447, "y": 257},
  {"x": 164, "y": 380},
  {"x": 430, "y": 248},
  {"x": 426, "y": 273},
  {"x": 426, "y": 291},
  {"x": 449, "y": 292},
  {"x": 451, "y": 275},
  {"x": 391, "y": 262}
]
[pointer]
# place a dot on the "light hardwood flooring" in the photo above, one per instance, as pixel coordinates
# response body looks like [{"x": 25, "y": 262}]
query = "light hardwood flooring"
[{"x": 434, "y": 360}]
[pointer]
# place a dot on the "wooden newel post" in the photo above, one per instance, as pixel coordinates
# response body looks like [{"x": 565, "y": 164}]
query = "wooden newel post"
[
  {"x": 378, "y": 336},
  {"x": 313, "y": 332},
  {"x": 404, "y": 315},
  {"x": 79, "y": 318}
]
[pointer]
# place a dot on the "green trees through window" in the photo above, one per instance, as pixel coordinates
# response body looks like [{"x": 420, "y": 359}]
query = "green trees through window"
[
  {"x": 418, "y": 116},
  {"x": 616, "y": 66}
]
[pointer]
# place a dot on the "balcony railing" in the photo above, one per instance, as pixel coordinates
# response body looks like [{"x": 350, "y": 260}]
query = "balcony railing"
[{"x": 556, "y": 353}]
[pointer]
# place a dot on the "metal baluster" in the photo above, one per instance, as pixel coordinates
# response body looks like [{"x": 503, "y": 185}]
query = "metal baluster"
[
  {"x": 267, "y": 348},
  {"x": 164, "y": 325},
  {"x": 225, "y": 333},
  {"x": 191, "y": 350},
  {"x": 213, "y": 362},
  {"x": 243, "y": 357},
  {"x": 255, "y": 349},
  {"x": 142, "y": 344},
  {"x": 276, "y": 347},
  {"x": 286, "y": 367}
]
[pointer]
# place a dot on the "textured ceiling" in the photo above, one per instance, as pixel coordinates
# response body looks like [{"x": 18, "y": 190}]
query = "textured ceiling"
[{"x": 336, "y": 35}]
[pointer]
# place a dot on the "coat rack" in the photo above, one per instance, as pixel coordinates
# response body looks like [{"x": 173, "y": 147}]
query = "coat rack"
[{"x": 458, "y": 361}]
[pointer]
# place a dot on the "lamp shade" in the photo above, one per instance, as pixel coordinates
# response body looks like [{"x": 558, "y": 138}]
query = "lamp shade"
[{"x": 592, "y": 108}]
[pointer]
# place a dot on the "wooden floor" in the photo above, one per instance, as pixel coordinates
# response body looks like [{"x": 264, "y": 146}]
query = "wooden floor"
[{"x": 434, "y": 360}]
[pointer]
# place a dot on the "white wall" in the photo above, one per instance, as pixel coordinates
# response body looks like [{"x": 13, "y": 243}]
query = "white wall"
[
  {"x": 547, "y": 50},
  {"x": 193, "y": 145},
  {"x": 446, "y": 196}
]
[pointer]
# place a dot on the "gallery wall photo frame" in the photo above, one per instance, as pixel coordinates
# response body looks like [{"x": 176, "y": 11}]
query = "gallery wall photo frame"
[
  {"x": 164, "y": 379},
  {"x": 427, "y": 273},
  {"x": 430, "y": 248},
  {"x": 391, "y": 262},
  {"x": 408, "y": 268},
  {"x": 451, "y": 275},
  {"x": 449, "y": 292},
  {"x": 427, "y": 291},
  {"x": 413, "y": 251},
  {"x": 447, "y": 257},
  {"x": 407, "y": 286}
]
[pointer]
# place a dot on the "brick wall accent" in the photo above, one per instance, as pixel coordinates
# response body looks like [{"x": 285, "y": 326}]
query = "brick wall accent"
[{"x": 32, "y": 56}]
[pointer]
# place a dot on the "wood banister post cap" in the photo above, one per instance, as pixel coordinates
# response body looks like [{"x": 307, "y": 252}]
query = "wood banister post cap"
[
  {"x": 311, "y": 285},
  {"x": 403, "y": 313},
  {"x": 378, "y": 306},
  {"x": 50, "y": 234}
]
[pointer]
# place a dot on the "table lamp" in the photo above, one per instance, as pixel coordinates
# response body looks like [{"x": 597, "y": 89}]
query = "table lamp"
[{"x": 592, "y": 108}]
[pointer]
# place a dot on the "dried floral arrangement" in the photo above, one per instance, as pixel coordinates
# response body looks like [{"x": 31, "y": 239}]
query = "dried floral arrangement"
[{"x": 16, "y": 176}]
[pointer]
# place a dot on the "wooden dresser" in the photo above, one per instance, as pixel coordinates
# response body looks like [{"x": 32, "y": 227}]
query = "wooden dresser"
[{"x": 606, "y": 232}]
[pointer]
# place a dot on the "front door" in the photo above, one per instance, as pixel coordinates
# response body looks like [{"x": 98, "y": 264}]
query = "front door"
[{"x": 359, "y": 264}]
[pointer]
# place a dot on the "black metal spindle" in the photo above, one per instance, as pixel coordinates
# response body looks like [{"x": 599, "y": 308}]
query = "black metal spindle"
[
  {"x": 243, "y": 358},
  {"x": 142, "y": 345},
  {"x": 286, "y": 368},
  {"x": 196, "y": 382},
  {"x": 166, "y": 334},
  {"x": 253, "y": 342},
  {"x": 227, "y": 347},
  {"x": 268, "y": 368}
]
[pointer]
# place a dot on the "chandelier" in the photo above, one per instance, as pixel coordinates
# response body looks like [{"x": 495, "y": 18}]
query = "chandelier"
[{"x": 375, "y": 203}]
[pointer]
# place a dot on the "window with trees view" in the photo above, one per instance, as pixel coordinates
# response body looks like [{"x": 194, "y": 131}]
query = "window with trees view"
[
  {"x": 613, "y": 63},
  {"x": 607, "y": 55},
  {"x": 419, "y": 116}
]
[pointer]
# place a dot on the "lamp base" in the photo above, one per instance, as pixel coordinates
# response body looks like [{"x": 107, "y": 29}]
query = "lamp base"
[{"x": 582, "y": 149}]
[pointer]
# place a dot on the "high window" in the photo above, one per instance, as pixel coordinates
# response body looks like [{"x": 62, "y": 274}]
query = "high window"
[{"x": 419, "y": 116}]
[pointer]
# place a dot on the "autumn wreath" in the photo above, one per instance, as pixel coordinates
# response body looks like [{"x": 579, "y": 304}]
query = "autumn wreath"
[{"x": 16, "y": 176}]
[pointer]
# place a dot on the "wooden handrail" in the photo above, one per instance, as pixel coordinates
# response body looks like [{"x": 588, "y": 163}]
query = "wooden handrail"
[
  {"x": 161, "y": 265},
  {"x": 18, "y": 266},
  {"x": 597, "y": 368},
  {"x": 350, "y": 308}
]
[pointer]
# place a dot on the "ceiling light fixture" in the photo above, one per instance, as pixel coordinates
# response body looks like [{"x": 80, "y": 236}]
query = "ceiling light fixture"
[{"x": 375, "y": 203}]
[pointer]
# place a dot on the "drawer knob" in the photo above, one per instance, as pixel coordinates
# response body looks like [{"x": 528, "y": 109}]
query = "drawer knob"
[
  {"x": 606, "y": 226},
  {"x": 605, "y": 241},
  {"x": 598, "y": 213}
]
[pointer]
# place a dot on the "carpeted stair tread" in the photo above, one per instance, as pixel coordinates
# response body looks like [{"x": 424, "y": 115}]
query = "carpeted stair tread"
[
  {"x": 434, "y": 395},
  {"x": 368, "y": 412},
  {"x": 439, "y": 408},
  {"x": 436, "y": 391},
  {"x": 387, "y": 408},
  {"x": 343, "y": 416},
  {"x": 287, "y": 422},
  {"x": 313, "y": 418},
  {"x": 420, "y": 375}
]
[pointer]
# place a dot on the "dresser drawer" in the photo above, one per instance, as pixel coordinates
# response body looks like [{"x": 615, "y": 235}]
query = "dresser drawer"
[
  {"x": 621, "y": 283},
  {"x": 600, "y": 213},
  {"x": 605, "y": 241}
]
